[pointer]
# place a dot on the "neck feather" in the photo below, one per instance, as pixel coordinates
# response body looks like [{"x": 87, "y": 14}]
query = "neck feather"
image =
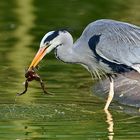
[{"x": 65, "y": 52}]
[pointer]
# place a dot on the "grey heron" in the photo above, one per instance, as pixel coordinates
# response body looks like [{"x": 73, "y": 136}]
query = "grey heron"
[{"x": 106, "y": 47}]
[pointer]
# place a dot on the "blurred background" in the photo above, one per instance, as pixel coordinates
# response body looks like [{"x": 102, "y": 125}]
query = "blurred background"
[{"x": 73, "y": 112}]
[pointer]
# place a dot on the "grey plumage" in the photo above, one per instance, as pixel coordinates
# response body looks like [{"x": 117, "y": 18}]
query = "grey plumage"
[
  {"x": 119, "y": 43},
  {"x": 106, "y": 47}
]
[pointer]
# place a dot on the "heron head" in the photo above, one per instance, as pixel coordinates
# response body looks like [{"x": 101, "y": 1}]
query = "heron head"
[{"x": 50, "y": 41}]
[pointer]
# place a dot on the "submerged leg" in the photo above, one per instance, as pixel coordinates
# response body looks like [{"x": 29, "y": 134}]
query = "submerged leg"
[{"x": 111, "y": 94}]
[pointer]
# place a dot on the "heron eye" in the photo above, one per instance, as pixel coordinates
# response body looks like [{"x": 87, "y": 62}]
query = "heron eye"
[{"x": 46, "y": 43}]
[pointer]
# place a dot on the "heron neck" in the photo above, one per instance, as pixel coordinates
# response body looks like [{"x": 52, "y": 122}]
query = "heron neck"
[{"x": 66, "y": 53}]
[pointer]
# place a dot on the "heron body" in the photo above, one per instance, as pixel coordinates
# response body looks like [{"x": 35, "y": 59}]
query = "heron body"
[{"x": 106, "y": 47}]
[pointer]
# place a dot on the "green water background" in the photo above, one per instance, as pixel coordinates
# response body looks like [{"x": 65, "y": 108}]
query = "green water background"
[{"x": 73, "y": 112}]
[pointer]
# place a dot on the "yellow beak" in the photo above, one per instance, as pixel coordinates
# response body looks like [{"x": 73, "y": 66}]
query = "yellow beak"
[{"x": 38, "y": 57}]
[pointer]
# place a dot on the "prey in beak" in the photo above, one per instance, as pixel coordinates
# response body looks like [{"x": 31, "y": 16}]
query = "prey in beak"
[
  {"x": 30, "y": 76},
  {"x": 47, "y": 44}
]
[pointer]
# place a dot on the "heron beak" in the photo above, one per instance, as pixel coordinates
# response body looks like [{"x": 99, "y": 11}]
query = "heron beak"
[{"x": 38, "y": 57}]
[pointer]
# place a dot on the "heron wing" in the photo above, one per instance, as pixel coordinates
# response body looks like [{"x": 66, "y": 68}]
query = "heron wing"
[{"x": 120, "y": 43}]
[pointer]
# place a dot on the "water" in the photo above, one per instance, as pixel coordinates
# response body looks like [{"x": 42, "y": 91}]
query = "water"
[{"x": 73, "y": 112}]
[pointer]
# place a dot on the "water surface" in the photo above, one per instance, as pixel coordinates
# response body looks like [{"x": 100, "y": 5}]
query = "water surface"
[{"x": 73, "y": 112}]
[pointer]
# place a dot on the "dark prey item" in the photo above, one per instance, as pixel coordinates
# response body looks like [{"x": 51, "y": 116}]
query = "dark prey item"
[{"x": 30, "y": 76}]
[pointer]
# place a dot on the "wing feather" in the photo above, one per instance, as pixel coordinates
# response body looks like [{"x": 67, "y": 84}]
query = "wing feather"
[{"x": 119, "y": 41}]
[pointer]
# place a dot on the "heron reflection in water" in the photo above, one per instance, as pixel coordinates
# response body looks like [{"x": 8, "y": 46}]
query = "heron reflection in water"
[{"x": 106, "y": 47}]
